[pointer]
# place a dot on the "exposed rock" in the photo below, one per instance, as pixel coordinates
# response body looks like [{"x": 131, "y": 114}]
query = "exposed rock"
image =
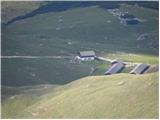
[
  {"x": 124, "y": 17},
  {"x": 60, "y": 20},
  {"x": 121, "y": 83},
  {"x": 58, "y": 28},
  {"x": 12, "y": 97},
  {"x": 149, "y": 38},
  {"x": 32, "y": 74},
  {"x": 69, "y": 43},
  {"x": 108, "y": 21},
  {"x": 143, "y": 36}
]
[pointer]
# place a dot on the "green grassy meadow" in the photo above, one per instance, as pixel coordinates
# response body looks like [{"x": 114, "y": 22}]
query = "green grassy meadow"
[
  {"x": 41, "y": 71},
  {"x": 61, "y": 88},
  {"x": 11, "y": 10},
  {"x": 90, "y": 97},
  {"x": 35, "y": 36},
  {"x": 88, "y": 33}
]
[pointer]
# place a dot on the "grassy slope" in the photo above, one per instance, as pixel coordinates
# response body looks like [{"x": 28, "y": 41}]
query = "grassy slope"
[
  {"x": 147, "y": 27},
  {"x": 139, "y": 58},
  {"x": 41, "y": 71},
  {"x": 87, "y": 31},
  {"x": 12, "y": 9},
  {"x": 89, "y": 97},
  {"x": 116, "y": 96},
  {"x": 85, "y": 34}
]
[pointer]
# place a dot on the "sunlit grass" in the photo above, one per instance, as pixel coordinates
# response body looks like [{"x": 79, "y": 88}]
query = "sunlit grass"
[
  {"x": 135, "y": 58},
  {"x": 114, "y": 96}
]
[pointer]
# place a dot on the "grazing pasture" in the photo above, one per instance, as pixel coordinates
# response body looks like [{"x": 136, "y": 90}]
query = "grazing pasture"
[
  {"x": 114, "y": 96},
  {"x": 58, "y": 87}
]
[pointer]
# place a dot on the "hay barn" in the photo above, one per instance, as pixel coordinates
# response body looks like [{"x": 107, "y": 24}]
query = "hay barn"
[
  {"x": 115, "y": 68},
  {"x": 140, "y": 69}
]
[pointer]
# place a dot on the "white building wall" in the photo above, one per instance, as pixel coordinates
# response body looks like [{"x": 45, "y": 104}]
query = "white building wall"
[{"x": 87, "y": 59}]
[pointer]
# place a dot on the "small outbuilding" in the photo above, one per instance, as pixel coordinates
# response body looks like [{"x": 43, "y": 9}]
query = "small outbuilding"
[
  {"x": 140, "y": 69},
  {"x": 116, "y": 61},
  {"x": 115, "y": 68},
  {"x": 86, "y": 55}
]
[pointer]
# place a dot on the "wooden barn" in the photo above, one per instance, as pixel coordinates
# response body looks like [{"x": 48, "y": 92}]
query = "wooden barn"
[
  {"x": 140, "y": 69},
  {"x": 115, "y": 68},
  {"x": 116, "y": 61},
  {"x": 86, "y": 55}
]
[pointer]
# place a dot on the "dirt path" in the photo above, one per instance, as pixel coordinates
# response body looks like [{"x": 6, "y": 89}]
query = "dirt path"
[
  {"x": 64, "y": 57},
  {"x": 110, "y": 60},
  {"x": 38, "y": 57}
]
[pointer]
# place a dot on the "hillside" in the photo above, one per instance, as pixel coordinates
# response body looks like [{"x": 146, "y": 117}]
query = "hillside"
[
  {"x": 40, "y": 77},
  {"x": 13, "y": 9},
  {"x": 115, "y": 96},
  {"x": 66, "y": 32}
]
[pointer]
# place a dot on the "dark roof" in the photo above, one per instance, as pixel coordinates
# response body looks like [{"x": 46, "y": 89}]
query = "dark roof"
[
  {"x": 115, "y": 68},
  {"x": 116, "y": 61},
  {"x": 87, "y": 53},
  {"x": 139, "y": 69}
]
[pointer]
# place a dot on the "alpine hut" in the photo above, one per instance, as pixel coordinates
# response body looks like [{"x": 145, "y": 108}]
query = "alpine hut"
[
  {"x": 140, "y": 69},
  {"x": 86, "y": 55},
  {"x": 115, "y": 68}
]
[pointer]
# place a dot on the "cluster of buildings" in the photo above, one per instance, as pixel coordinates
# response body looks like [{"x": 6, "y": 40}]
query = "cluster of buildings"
[{"x": 117, "y": 65}]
